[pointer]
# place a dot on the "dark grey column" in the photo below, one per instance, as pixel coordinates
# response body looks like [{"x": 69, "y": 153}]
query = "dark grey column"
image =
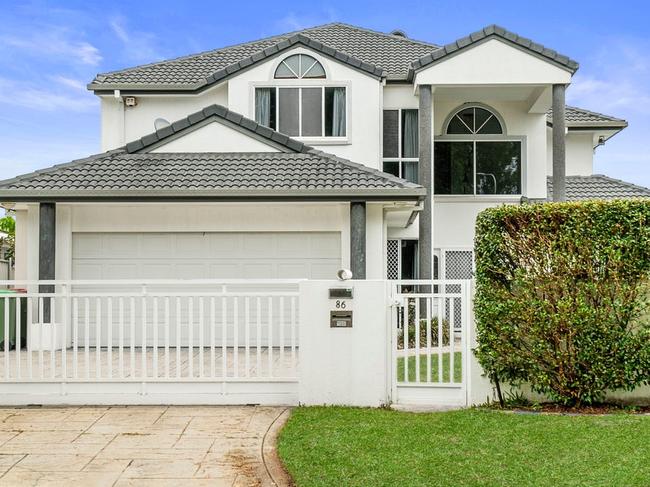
[
  {"x": 425, "y": 247},
  {"x": 358, "y": 239},
  {"x": 559, "y": 144},
  {"x": 46, "y": 252}
]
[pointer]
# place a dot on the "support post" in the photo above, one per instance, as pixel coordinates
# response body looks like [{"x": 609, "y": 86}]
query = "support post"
[
  {"x": 559, "y": 143},
  {"x": 425, "y": 243},
  {"x": 46, "y": 253},
  {"x": 358, "y": 239}
]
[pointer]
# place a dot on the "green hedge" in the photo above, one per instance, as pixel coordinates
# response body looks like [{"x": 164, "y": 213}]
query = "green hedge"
[{"x": 562, "y": 295}]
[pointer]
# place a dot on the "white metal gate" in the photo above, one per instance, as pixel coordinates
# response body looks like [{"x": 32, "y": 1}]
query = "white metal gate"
[
  {"x": 150, "y": 342},
  {"x": 430, "y": 342}
]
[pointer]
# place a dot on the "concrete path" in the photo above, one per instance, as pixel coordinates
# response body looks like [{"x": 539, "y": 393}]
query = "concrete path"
[{"x": 140, "y": 445}]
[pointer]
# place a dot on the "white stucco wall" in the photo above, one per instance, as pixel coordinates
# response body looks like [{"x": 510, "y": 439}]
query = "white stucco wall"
[
  {"x": 121, "y": 124},
  {"x": 493, "y": 62},
  {"x": 363, "y": 96},
  {"x": 215, "y": 137},
  {"x": 579, "y": 153}
]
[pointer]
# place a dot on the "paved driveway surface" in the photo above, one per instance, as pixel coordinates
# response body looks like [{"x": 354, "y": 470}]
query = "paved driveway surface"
[{"x": 140, "y": 445}]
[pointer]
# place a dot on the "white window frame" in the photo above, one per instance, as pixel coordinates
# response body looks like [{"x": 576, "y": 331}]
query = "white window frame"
[
  {"x": 398, "y": 159},
  {"x": 307, "y": 83}
]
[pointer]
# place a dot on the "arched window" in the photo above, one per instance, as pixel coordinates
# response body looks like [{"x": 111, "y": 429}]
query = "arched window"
[
  {"x": 474, "y": 120},
  {"x": 474, "y": 156},
  {"x": 299, "y": 66},
  {"x": 309, "y": 109}
]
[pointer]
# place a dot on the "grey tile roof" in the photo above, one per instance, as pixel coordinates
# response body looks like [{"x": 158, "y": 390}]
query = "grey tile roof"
[
  {"x": 216, "y": 176},
  {"x": 132, "y": 171},
  {"x": 378, "y": 53},
  {"x": 579, "y": 117},
  {"x": 494, "y": 31},
  {"x": 598, "y": 186}
]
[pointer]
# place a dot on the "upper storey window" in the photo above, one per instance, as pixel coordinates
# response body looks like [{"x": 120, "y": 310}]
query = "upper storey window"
[
  {"x": 299, "y": 66},
  {"x": 475, "y": 157},
  {"x": 310, "y": 109}
]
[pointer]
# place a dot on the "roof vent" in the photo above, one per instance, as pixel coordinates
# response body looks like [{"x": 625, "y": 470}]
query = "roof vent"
[
  {"x": 160, "y": 123},
  {"x": 399, "y": 33}
]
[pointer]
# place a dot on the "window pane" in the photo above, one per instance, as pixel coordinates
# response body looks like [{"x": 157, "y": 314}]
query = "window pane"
[
  {"x": 409, "y": 259},
  {"x": 410, "y": 171},
  {"x": 457, "y": 127},
  {"x": 312, "y": 112},
  {"x": 289, "y": 67},
  {"x": 480, "y": 116},
  {"x": 335, "y": 116},
  {"x": 288, "y": 108},
  {"x": 410, "y": 133},
  {"x": 312, "y": 68},
  {"x": 265, "y": 107},
  {"x": 491, "y": 127},
  {"x": 391, "y": 167},
  {"x": 391, "y": 123},
  {"x": 498, "y": 167},
  {"x": 453, "y": 168}
]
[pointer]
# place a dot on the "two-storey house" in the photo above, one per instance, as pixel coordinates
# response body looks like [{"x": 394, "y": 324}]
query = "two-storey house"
[{"x": 300, "y": 154}]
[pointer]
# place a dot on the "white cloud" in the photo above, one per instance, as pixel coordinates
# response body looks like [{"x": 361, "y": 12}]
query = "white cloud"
[
  {"x": 138, "y": 45},
  {"x": 55, "y": 41},
  {"x": 293, "y": 21},
  {"x": 72, "y": 83},
  {"x": 24, "y": 95}
]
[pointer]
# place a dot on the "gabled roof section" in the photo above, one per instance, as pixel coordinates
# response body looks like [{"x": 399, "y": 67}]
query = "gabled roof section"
[
  {"x": 579, "y": 117},
  {"x": 376, "y": 53},
  {"x": 494, "y": 32},
  {"x": 598, "y": 186},
  {"x": 268, "y": 176},
  {"x": 131, "y": 173},
  {"x": 233, "y": 119}
]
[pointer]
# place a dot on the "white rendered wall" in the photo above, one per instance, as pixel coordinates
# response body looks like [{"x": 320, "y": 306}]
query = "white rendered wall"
[
  {"x": 346, "y": 366},
  {"x": 215, "y": 137},
  {"x": 122, "y": 124},
  {"x": 363, "y": 95},
  {"x": 493, "y": 62},
  {"x": 579, "y": 153}
]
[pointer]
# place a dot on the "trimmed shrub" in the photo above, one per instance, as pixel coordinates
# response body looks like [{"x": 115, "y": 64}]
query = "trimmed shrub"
[{"x": 561, "y": 297}]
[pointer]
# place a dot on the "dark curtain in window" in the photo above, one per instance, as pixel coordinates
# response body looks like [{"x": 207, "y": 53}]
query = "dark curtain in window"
[{"x": 453, "y": 168}]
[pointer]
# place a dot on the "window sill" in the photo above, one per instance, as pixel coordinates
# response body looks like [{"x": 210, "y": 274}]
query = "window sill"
[
  {"x": 479, "y": 198},
  {"x": 324, "y": 140}
]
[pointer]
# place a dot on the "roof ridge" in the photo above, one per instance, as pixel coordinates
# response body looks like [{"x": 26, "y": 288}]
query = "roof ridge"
[
  {"x": 278, "y": 37},
  {"x": 377, "y": 32},
  {"x": 488, "y": 32},
  {"x": 626, "y": 183}
]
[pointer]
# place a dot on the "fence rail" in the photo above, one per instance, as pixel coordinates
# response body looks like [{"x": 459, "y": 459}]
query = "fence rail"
[{"x": 149, "y": 331}]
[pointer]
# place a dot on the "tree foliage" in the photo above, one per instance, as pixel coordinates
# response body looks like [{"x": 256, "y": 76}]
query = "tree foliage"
[{"x": 562, "y": 294}]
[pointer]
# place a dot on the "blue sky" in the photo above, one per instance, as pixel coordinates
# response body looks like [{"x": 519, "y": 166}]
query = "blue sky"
[{"x": 50, "y": 50}]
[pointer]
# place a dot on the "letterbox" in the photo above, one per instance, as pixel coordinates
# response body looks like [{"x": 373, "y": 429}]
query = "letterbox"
[{"x": 341, "y": 319}]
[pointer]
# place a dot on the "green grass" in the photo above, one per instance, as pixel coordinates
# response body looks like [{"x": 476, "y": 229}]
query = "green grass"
[
  {"x": 335, "y": 446},
  {"x": 458, "y": 367}
]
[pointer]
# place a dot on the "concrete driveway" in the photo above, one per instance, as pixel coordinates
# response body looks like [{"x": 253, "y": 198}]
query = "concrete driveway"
[{"x": 140, "y": 445}]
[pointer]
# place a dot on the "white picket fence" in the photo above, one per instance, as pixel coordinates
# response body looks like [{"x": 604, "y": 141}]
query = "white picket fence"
[
  {"x": 146, "y": 332},
  {"x": 430, "y": 341}
]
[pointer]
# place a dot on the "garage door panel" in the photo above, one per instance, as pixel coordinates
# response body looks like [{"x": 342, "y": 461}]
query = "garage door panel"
[
  {"x": 224, "y": 271},
  {"x": 205, "y": 255},
  {"x": 156, "y": 245}
]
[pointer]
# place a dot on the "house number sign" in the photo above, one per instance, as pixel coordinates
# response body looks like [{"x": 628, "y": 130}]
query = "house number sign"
[{"x": 341, "y": 307}]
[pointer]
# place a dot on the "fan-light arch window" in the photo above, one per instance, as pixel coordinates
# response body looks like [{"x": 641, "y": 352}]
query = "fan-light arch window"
[
  {"x": 299, "y": 110},
  {"x": 299, "y": 66},
  {"x": 474, "y": 155}
]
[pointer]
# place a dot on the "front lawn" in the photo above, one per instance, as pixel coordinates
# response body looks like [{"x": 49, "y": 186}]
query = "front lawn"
[
  {"x": 335, "y": 446},
  {"x": 412, "y": 367}
]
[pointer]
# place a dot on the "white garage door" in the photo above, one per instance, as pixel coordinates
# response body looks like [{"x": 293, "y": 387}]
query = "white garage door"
[{"x": 281, "y": 255}]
